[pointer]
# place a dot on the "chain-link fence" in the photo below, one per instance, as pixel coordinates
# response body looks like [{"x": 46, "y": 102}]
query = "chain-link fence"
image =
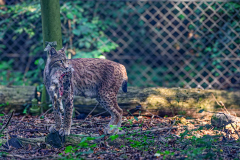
[{"x": 161, "y": 43}]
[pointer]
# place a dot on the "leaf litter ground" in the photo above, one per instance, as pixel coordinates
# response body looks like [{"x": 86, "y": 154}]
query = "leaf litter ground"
[{"x": 144, "y": 138}]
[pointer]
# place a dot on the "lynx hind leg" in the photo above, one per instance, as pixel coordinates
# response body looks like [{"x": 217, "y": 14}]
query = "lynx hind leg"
[{"x": 109, "y": 102}]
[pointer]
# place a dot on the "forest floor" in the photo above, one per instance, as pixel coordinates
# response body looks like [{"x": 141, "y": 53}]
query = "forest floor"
[{"x": 144, "y": 138}]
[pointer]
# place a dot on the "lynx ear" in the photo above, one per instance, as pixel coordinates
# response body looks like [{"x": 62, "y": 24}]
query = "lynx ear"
[
  {"x": 53, "y": 51},
  {"x": 63, "y": 49}
]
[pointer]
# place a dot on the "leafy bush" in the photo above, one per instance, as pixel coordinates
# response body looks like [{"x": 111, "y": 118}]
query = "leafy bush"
[
  {"x": 82, "y": 31},
  {"x": 85, "y": 27}
]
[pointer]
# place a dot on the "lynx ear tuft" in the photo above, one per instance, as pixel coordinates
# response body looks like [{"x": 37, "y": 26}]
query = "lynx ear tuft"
[
  {"x": 63, "y": 49},
  {"x": 53, "y": 51}
]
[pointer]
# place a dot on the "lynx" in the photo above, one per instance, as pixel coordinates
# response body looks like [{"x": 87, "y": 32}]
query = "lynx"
[{"x": 89, "y": 77}]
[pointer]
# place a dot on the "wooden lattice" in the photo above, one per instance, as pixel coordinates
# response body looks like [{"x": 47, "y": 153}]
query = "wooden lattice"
[{"x": 164, "y": 43}]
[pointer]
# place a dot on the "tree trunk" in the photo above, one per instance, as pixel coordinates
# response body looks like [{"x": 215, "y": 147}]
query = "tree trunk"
[
  {"x": 168, "y": 101},
  {"x": 14, "y": 97},
  {"x": 51, "y": 27},
  {"x": 158, "y": 101}
]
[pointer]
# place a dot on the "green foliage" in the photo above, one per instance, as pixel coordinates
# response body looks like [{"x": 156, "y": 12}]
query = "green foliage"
[
  {"x": 210, "y": 54},
  {"x": 113, "y": 137},
  {"x": 142, "y": 143},
  {"x": 17, "y": 77},
  {"x": 166, "y": 154},
  {"x": 85, "y": 30},
  {"x": 73, "y": 152},
  {"x": 26, "y": 107},
  {"x": 202, "y": 147},
  {"x": 4, "y": 104},
  {"x": 204, "y": 46},
  {"x": 79, "y": 26},
  {"x": 84, "y": 25},
  {"x": 16, "y": 13},
  {"x": 188, "y": 146},
  {"x": 19, "y": 12},
  {"x": 199, "y": 145}
]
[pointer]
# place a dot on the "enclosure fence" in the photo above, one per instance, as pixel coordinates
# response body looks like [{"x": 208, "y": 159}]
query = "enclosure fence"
[{"x": 170, "y": 43}]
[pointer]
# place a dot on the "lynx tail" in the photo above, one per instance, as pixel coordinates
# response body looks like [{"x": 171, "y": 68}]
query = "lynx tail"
[{"x": 124, "y": 86}]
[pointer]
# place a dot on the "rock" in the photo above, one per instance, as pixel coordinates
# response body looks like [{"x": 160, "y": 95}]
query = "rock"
[{"x": 222, "y": 119}]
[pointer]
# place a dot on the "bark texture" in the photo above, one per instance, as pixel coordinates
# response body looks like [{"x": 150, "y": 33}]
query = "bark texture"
[
  {"x": 158, "y": 101},
  {"x": 51, "y": 28},
  {"x": 16, "y": 97},
  {"x": 168, "y": 101},
  {"x": 51, "y": 24}
]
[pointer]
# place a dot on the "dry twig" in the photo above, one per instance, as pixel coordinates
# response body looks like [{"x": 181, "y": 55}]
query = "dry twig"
[
  {"x": 171, "y": 127},
  {"x": 220, "y": 103},
  {"x": 9, "y": 119}
]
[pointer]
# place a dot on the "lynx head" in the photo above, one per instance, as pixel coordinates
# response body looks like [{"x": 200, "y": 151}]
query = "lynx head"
[{"x": 57, "y": 58}]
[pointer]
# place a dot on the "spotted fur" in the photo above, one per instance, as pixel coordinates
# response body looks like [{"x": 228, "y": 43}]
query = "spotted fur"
[{"x": 88, "y": 77}]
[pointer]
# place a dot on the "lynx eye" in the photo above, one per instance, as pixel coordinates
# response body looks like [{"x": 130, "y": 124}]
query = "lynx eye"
[{"x": 57, "y": 62}]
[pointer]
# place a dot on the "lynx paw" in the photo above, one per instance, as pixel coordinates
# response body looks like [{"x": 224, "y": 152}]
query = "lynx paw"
[
  {"x": 64, "y": 132},
  {"x": 111, "y": 130}
]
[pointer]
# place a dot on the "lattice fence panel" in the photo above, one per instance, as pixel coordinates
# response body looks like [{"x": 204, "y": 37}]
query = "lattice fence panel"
[
  {"x": 161, "y": 43},
  {"x": 18, "y": 50},
  {"x": 186, "y": 44}
]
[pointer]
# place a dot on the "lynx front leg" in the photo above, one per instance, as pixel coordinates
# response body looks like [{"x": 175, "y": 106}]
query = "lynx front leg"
[
  {"x": 57, "y": 115},
  {"x": 109, "y": 102},
  {"x": 68, "y": 102},
  {"x": 68, "y": 109}
]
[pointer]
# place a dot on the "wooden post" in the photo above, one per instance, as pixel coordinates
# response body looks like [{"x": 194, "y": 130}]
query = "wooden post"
[{"x": 51, "y": 27}]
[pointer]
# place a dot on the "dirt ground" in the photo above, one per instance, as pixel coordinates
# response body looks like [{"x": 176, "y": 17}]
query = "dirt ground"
[{"x": 142, "y": 138}]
